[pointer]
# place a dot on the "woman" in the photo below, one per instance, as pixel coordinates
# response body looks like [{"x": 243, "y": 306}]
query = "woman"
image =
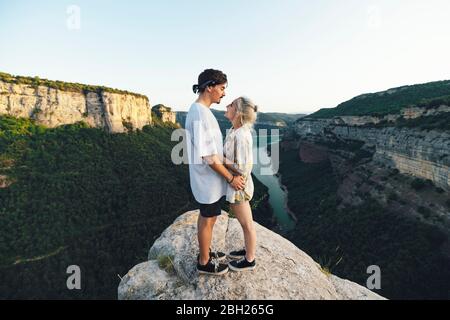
[{"x": 238, "y": 158}]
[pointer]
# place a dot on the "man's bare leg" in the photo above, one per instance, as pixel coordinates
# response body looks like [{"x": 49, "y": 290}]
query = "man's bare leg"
[{"x": 204, "y": 234}]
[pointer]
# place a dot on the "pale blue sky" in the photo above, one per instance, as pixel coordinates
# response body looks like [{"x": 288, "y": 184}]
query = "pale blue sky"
[{"x": 288, "y": 56}]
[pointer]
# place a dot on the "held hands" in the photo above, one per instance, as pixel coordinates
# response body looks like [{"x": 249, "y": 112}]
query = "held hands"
[{"x": 237, "y": 182}]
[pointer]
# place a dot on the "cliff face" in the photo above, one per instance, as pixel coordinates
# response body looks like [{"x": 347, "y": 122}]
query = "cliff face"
[
  {"x": 116, "y": 112},
  {"x": 423, "y": 154},
  {"x": 169, "y": 117},
  {"x": 165, "y": 113},
  {"x": 283, "y": 271}
]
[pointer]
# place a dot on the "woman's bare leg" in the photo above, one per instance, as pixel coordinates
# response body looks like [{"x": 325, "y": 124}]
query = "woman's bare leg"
[{"x": 243, "y": 213}]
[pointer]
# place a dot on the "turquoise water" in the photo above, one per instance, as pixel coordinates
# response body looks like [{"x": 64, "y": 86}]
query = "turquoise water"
[{"x": 277, "y": 196}]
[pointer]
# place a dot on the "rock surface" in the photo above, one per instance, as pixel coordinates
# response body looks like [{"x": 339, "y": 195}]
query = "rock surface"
[{"x": 283, "y": 271}]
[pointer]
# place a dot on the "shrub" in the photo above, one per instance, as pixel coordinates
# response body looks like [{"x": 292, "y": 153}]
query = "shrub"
[
  {"x": 393, "y": 196},
  {"x": 127, "y": 125},
  {"x": 166, "y": 263},
  {"x": 439, "y": 190},
  {"x": 418, "y": 184},
  {"x": 424, "y": 211}
]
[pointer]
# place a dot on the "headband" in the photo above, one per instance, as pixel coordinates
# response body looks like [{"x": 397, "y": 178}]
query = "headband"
[{"x": 196, "y": 88}]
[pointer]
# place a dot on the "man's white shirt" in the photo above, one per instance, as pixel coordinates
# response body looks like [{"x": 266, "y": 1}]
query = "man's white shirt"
[{"x": 204, "y": 138}]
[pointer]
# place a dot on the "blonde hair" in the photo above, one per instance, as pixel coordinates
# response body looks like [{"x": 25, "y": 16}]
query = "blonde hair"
[{"x": 247, "y": 110}]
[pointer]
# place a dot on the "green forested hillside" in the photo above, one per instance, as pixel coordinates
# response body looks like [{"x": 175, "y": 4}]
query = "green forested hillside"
[
  {"x": 391, "y": 101},
  {"x": 82, "y": 196}
]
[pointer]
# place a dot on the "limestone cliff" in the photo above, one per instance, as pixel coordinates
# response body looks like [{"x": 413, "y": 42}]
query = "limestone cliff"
[
  {"x": 165, "y": 113},
  {"x": 53, "y": 106},
  {"x": 283, "y": 271},
  {"x": 388, "y": 164},
  {"x": 423, "y": 154}
]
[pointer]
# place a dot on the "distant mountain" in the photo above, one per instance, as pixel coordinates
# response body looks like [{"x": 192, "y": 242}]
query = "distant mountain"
[
  {"x": 391, "y": 101},
  {"x": 286, "y": 117}
]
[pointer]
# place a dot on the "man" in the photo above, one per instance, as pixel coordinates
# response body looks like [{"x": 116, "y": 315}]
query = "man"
[{"x": 208, "y": 176}]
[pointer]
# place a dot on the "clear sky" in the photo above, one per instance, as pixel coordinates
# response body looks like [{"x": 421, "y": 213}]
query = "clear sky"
[{"x": 288, "y": 56}]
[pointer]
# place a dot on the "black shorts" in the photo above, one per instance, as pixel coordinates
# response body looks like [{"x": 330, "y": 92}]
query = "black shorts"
[{"x": 211, "y": 210}]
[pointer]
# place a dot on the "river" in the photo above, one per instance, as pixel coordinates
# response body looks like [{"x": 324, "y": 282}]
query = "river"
[{"x": 277, "y": 196}]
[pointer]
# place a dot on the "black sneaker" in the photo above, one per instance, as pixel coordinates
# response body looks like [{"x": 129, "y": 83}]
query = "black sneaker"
[
  {"x": 237, "y": 254},
  {"x": 242, "y": 265},
  {"x": 213, "y": 268},
  {"x": 217, "y": 255}
]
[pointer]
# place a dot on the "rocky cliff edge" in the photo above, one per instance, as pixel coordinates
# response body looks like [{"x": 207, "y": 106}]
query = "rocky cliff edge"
[{"x": 283, "y": 270}]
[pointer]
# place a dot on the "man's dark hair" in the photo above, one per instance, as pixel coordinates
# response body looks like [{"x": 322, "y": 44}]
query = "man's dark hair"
[{"x": 209, "y": 77}]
